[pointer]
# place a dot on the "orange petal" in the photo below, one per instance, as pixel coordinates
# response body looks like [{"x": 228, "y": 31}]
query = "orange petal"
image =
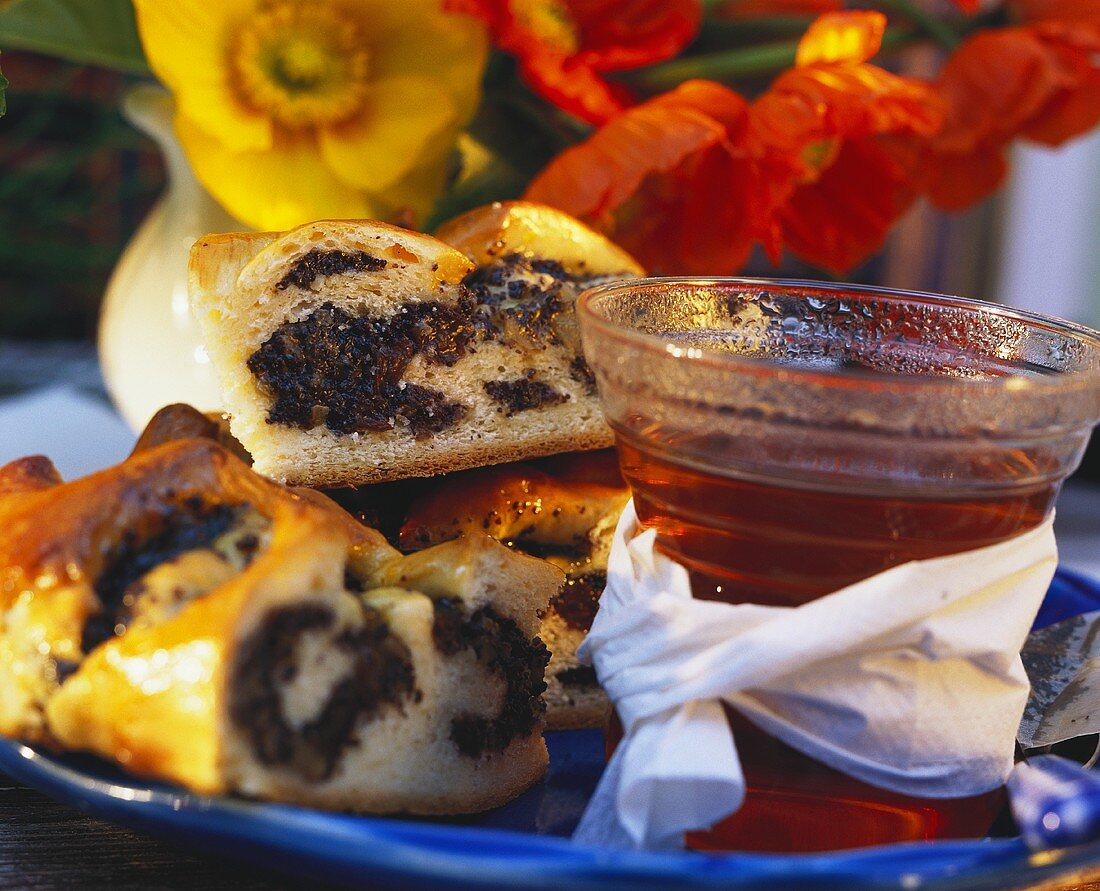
[
  {"x": 1072, "y": 111},
  {"x": 565, "y": 46},
  {"x": 808, "y": 106},
  {"x": 1081, "y": 13},
  {"x": 597, "y": 176},
  {"x": 841, "y": 219},
  {"x": 995, "y": 83},
  {"x": 957, "y": 182},
  {"x": 741, "y": 10},
  {"x": 1031, "y": 81},
  {"x": 575, "y": 88},
  {"x": 841, "y": 37},
  {"x": 712, "y": 99},
  {"x": 621, "y": 34},
  {"x": 695, "y": 222},
  {"x": 672, "y": 180}
]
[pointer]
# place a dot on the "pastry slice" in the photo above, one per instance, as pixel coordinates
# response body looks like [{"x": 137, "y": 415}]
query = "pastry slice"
[
  {"x": 198, "y": 624},
  {"x": 80, "y": 562},
  {"x": 357, "y": 352},
  {"x": 564, "y": 512}
]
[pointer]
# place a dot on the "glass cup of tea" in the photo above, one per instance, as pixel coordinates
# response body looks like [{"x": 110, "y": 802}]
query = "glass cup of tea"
[{"x": 786, "y": 439}]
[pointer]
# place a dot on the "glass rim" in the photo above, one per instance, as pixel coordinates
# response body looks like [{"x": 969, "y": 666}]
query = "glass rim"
[{"x": 763, "y": 367}]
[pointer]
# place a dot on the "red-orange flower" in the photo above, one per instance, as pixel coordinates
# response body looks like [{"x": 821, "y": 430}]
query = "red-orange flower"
[
  {"x": 847, "y": 126},
  {"x": 565, "y": 47},
  {"x": 739, "y": 10},
  {"x": 1081, "y": 17},
  {"x": 970, "y": 7},
  {"x": 674, "y": 181},
  {"x": 1039, "y": 80}
]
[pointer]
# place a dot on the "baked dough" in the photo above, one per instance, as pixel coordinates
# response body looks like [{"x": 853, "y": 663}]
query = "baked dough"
[
  {"x": 197, "y": 623},
  {"x": 358, "y": 352},
  {"x": 182, "y": 421},
  {"x": 564, "y": 513}
]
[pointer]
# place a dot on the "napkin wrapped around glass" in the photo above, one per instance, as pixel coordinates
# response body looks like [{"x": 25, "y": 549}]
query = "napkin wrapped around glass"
[{"x": 910, "y": 680}]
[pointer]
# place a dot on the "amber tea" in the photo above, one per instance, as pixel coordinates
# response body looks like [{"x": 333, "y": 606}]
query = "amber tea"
[
  {"x": 788, "y": 439},
  {"x": 782, "y": 546}
]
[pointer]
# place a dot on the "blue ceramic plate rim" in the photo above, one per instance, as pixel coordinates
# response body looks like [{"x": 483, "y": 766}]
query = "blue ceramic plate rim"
[{"x": 352, "y": 849}]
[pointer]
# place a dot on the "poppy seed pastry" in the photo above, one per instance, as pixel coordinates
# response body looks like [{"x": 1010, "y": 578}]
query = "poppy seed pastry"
[
  {"x": 564, "y": 514},
  {"x": 182, "y": 421},
  {"x": 199, "y": 624},
  {"x": 358, "y": 352}
]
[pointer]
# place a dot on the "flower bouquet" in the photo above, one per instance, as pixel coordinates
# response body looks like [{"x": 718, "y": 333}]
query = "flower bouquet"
[{"x": 690, "y": 131}]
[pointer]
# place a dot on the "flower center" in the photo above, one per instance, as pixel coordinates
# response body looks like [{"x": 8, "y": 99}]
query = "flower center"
[
  {"x": 549, "y": 22},
  {"x": 304, "y": 63},
  {"x": 818, "y": 156}
]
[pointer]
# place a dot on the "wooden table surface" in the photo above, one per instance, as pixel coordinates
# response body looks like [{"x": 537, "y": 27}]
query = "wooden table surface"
[{"x": 46, "y": 846}]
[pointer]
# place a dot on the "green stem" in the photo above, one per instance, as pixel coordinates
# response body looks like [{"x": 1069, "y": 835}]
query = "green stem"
[
  {"x": 727, "y": 65},
  {"x": 745, "y": 62},
  {"x": 563, "y": 131},
  {"x": 932, "y": 25},
  {"x": 720, "y": 34}
]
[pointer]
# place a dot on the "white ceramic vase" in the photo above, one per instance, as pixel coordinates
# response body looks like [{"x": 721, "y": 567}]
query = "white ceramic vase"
[{"x": 149, "y": 346}]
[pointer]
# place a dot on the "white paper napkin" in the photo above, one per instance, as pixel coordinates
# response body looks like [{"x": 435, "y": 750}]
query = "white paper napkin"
[
  {"x": 79, "y": 433},
  {"x": 910, "y": 680}
]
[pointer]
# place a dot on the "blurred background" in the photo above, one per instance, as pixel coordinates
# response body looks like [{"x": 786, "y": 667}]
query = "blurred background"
[{"x": 76, "y": 180}]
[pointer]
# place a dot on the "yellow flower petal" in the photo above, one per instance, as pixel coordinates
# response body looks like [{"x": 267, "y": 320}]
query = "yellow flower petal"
[
  {"x": 276, "y": 189},
  {"x": 403, "y": 117},
  {"x": 186, "y": 43},
  {"x": 852, "y": 36},
  {"x": 449, "y": 48},
  {"x": 419, "y": 191}
]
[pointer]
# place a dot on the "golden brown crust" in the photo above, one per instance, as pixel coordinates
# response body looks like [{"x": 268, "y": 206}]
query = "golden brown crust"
[
  {"x": 351, "y": 470},
  {"x": 58, "y": 539},
  {"x": 496, "y": 230},
  {"x": 67, "y": 532},
  {"x": 182, "y": 421},
  {"x": 173, "y": 422},
  {"x": 513, "y": 503},
  {"x": 30, "y": 474}
]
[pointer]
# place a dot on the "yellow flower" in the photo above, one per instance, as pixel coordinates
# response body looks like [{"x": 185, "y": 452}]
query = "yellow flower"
[{"x": 295, "y": 110}]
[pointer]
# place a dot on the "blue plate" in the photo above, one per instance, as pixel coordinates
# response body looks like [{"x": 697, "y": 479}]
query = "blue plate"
[{"x": 525, "y": 845}]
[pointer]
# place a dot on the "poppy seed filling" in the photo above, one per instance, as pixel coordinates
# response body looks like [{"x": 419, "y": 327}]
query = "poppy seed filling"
[
  {"x": 381, "y": 675},
  {"x": 505, "y": 652},
  {"x": 528, "y": 301},
  {"x": 162, "y": 536},
  {"x": 319, "y": 263},
  {"x": 346, "y": 372},
  {"x": 523, "y": 394},
  {"x": 579, "y": 599}
]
